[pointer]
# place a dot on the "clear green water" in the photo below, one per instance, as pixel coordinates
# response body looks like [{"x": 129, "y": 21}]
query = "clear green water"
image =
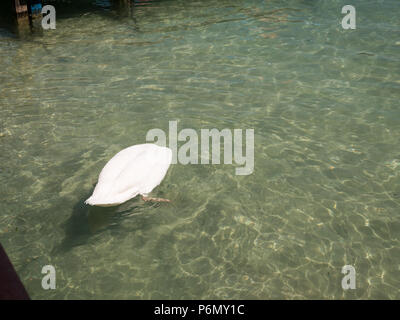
[{"x": 325, "y": 192}]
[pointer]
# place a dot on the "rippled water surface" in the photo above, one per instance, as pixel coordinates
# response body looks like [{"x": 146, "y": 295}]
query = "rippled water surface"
[{"x": 325, "y": 191}]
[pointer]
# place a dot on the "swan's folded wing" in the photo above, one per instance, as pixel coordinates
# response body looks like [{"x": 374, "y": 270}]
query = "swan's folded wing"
[{"x": 132, "y": 171}]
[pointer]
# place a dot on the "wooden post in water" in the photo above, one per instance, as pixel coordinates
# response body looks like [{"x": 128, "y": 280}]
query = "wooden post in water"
[
  {"x": 28, "y": 9},
  {"x": 23, "y": 21},
  {"x": 29, "y": 14},
  {"x": 124, "y": 7},
  {"x": 21, "y": 9}
]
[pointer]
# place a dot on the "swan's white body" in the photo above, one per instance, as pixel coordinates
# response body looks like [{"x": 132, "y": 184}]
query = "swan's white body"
[{"x": 132, "y": 171}]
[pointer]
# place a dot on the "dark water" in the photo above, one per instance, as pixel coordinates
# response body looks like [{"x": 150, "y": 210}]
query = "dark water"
[{"x": 324, "y": 106}]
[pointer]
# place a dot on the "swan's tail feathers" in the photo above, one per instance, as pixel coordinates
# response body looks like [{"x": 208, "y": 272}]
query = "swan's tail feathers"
[
  {"x": 101, "y": 203},
  {"x": 89, "y": 201}
]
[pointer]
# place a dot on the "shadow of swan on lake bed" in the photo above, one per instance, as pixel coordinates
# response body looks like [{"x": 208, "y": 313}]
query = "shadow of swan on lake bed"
[{"x": 86, "y": 221}]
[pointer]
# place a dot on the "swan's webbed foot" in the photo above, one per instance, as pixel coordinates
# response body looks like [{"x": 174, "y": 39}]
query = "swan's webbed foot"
[{"x": 155, "y": 199}]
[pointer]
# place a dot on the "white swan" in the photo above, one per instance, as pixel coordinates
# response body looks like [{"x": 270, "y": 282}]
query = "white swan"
[{"x": 132, "y": 171}]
